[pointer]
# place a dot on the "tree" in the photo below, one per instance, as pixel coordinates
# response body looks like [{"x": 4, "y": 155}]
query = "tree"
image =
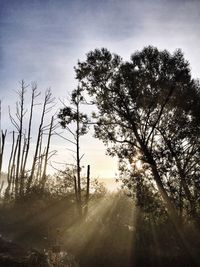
[
  {"x": 134, "y": 99},
  {"x": 67, "y": 116},
  {"x": 34, "y": 95},
  {"x": 2, "y": 144},
  {"x": 47, "y": 106},
  {"x": 46, "y": 156},
  {"x": 19, "y": 178},
  {"x": 17, "y": 122}
]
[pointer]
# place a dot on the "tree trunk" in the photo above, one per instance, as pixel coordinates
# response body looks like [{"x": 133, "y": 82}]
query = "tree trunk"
[
  {"x": 78, "y": 162},
  {"x": 20, "y": 115},
  {"x": 43, "y": 181},
  {"x": 9, "y": 175},
  {"x": 34, "y": 95},
  {"x": 47, "y": 100},
  {"x": 87, "y": 191},
  {"x": 169, "y": 205}
]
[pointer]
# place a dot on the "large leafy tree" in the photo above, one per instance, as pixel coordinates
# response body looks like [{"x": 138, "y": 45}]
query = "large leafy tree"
[{"x": 148, "y": 109}]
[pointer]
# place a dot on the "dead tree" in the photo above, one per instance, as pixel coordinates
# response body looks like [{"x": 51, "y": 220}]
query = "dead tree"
[
  {"x": 18, "y": 123},
  {"x": 20, "y": 115},
  {"x": 1, "y": 153},
  {"x": 87, "y": 190},
  {"x": 88, "y": 184},
  {"x": 2, "y": 143},
  {"x": 9, "y": 174},
  {"x": 18, "y": 179},
  {"x": 43, "y": 180},
  {"x": 13, "y": 168},
  {"x": 69, "y": 115},
  {"x": 40, "y": 159},
  {"x": 34, "y": 95},
  {"x": 47, "y": 105},
  {"x": 3, "y": 137}
]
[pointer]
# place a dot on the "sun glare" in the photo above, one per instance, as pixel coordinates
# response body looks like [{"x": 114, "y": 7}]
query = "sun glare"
[
  {"x": 138, "y": 165},
  {"x": 110, "y": 184}
]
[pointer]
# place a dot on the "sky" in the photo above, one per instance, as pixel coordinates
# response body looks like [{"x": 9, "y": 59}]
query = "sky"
[{"x": 42, "y": 40}]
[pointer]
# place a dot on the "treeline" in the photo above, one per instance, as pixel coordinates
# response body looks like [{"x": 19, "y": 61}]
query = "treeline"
[{"x": 31, "y": 151}]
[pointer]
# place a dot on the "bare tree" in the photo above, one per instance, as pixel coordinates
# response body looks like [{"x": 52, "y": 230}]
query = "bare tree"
[
  {"x": 13, "y": 168},
  {"x": 43, "y": 179},
  {"x": 69, "y": 115},
  {"x": 18, "y": 121},
  {"x": 87, "y": 189},
  {"x": 2, "y": 143},
  {"x": 17, "y": 178},
  {"x": 3, "y": 137},
  {"x": 9, "y": 174},
  {"x": 34, "y": 95},
  {"x": 47, "y": 106}
]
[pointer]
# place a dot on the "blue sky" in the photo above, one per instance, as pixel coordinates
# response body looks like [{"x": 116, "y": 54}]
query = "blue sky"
[{"x": 43, "y": 40}]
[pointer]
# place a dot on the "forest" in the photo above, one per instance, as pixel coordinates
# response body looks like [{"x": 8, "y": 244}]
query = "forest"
[{"x": 146, "y": 111}]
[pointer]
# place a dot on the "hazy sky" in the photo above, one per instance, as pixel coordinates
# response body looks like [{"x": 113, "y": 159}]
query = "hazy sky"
[{"x": 43, "y": 40}]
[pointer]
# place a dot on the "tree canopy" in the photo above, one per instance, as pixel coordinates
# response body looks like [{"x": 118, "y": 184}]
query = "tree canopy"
[{"x": 148, "y": 109}]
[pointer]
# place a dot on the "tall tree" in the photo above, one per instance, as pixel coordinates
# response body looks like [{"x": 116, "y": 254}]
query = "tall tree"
[
  {"x": 133, "y": 98},
  {"x": 34, "y": 95},
  {"x": 46, "y": 156},
  {"x": 72, "y": 114},
  {"x": 18, "y": 124},
  {"x": 2, "y": 143},
  {"x": 47, "y": 106}
]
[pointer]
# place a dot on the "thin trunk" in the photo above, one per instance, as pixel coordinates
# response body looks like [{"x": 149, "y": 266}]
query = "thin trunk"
[
  {"x": 21, "y": 115},
  {"x": 47, "y": 153},
  {"x": 22, "y": 173},
  {"x": 1, "y": 153},
  {"x": 78, "y": 161},
  {"x": 2, "y": 143},
  {"x": 40, "y": 160},
  {"x": 41, "y": 166},
  {"x": 1, "y": 187},
  {"x": 87, "y": 191},
  {"x": 9, "y": 176},
  {"x": 88, "y": 185},
  {"x": 34, "y": 95},
  {"x": 3, "y": 137},
  {"x": 75, "y": 189},
  {"x": 13, "y": 169},
  {"x": 38, "y": 142},
  {"x": 13, "y": 181}
]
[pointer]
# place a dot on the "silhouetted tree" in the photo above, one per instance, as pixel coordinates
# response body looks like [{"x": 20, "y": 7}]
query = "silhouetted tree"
[
  {"x": 46, "y": 156},
  {"x": 19, "y": 182},
  {"x": 47, "y": 106},
  {"x": 2, "y": 144},
  {"x": 134, "y": 99},
  {"x": 69, "y": 115},
  {"x": 18, "y": 124},
  {"x": 34, "y": 95}
]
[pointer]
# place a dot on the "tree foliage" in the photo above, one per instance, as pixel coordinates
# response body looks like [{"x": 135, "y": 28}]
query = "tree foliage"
[{"x": 148, "y": 108}]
